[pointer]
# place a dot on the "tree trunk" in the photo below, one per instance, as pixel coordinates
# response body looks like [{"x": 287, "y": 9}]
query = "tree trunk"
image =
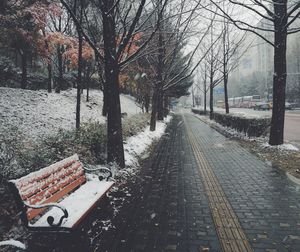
[
  {"x": 24, "y": 70},
  {"x": 279, "y": 77},
  {"x": 115, "y": 149},
  {"x": 87, "y": 93},
  {"x": 154, "y": 110},
  {"x": 205, "y": 98},
  {"x": 166, "y": 105},
  {"x": 211, "y": 98},
  {"x": 49, "y": 84},
  {"x": 87, "y": 82},
  {"x": 226, "y": 90},
  {"x": 79, "y": 79},
  {"x": 205, "y": 91},
  {"x": 225, "y": 70},
  {"x": 147, "y": 102},
  {"x": 160, "y": 105},
  {"x": 60, "y": 70},
  {"x": 105, "y": 102},
  {"x": 298, "y": 66},
  {"x": 160, "y": 68},
  {"x": 102, "y": 86},
  {"x": 193, "y": 97}
]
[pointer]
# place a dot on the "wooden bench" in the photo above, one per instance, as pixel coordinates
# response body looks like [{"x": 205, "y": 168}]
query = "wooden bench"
[{"x": 58, "y": 197}]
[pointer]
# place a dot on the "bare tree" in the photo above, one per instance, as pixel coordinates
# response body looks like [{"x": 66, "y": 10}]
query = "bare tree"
[
  {"x": 59, "y": 24},
  {"x": 279, "y": 17},
  {"x": 212, "y": 50},
  {"x": 231, "y": 42},
  {"x": 80, "y": 63},
  {"x": 114, "y": 58},
  {"x": 181, "y": 32}
]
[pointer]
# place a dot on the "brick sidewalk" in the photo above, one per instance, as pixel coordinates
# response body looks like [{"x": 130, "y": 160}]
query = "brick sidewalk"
[
  {"x": 176, "y": 212},
  {"x": 265, "y": 201}
]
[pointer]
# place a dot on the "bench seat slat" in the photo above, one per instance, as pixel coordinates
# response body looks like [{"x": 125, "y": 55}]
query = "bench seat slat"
[
  {"x": 26, "y": 181},
  {"x": 32, "y": 213},
  {"x": 54, "y": 178},
  {"x": 78, "y": 204},
  {"x": 47, "y": 192}
]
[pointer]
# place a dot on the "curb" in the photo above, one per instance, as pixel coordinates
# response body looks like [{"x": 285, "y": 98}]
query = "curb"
[
  {"x": 216, "y": 128},
  {"x": 293, "y": 178}
]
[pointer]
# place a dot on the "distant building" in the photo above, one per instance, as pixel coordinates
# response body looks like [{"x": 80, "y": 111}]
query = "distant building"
[{"x": 256, "y": 66}]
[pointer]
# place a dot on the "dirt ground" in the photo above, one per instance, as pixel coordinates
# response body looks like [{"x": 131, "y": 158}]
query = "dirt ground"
[{"x": 288, "y": 161}]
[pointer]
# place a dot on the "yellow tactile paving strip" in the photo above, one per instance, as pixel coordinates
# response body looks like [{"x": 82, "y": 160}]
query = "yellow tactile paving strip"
[{"x": 231, "y": 235}]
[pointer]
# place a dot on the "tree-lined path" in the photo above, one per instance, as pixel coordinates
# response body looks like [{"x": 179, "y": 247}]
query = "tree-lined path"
[{"x": 207, "y": 193}]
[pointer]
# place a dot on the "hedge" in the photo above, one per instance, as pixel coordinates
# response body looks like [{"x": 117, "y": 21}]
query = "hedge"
[
  {"x": 252, "y": 127},
  {"x": 199, "y": 111}
]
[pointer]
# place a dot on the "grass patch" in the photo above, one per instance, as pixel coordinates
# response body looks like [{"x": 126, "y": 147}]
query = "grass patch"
[{"x": 19, "y": 157}]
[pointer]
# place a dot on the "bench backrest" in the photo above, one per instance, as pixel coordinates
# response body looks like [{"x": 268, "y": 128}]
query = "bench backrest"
[{"x": 50, "y": 184}]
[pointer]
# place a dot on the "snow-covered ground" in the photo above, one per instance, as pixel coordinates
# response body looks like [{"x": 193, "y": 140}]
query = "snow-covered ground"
[
  {"x": 136, "y": 145},
  {"x": 282, "y": 147},
  {"x": 38, "y": 113},
  {"x": 287, "y": 147}
]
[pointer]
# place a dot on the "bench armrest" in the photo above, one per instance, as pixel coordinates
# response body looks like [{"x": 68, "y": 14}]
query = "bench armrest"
[
  {"x": 13, "y": 243},
  {"x": 100, "y": 169},
  {"x": 50, "y": 219}
]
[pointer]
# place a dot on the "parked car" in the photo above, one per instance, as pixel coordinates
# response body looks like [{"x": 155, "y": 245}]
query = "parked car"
[
  {"x": 289, "y": 106},
  {"x": 263, "y": 106},
  {"x": 295, "y": 105}
]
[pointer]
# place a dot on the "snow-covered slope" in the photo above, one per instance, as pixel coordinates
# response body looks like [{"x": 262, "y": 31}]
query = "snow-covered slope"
[{"x": 37, "y": 113}]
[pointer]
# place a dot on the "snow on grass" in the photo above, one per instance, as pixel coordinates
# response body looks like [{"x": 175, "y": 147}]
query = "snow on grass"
[
  {"x": 235, "y": 134},
  {"x": 38, "y": 113},
  {"x": 282, "y": 147},
  {"x": 136, "y": 145}
]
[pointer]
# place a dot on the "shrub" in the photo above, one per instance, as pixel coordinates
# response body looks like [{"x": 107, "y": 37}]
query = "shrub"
[
  {"x": 18, "y": 157},
  {"x": 37, "y": 81},
  {"x": 8, "y": 73},
  {"x": 11, "y": 146},
  {"x": 252, "y": 127},
  {"x": 89, "y": 142},
  {"x": 95, "y": 82},
  {"x": 70, "y": 80},
  {"x": 199, "y": 111},
  {"x": 134, "y": 124}
]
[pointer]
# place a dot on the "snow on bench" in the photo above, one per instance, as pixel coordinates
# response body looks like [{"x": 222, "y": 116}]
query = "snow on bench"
[
  {"x": 59, "y": 196},
  {"x": 13, "y": 243}
]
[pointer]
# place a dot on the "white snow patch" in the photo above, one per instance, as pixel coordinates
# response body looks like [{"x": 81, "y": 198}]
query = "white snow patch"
[
  {"x": 137, "y": 145},
  {"x": 137, "y": 76},
  {"x": 76, "y": 203},
  {"x": 38, "y": 113},
  {"x": 14, "y": 243},
  {"x": 282, "y": 147},
  {"x": 153, "y": 215}
]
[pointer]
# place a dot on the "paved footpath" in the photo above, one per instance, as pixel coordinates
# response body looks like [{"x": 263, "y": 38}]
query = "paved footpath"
[{"x": 210, "y": 194}]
